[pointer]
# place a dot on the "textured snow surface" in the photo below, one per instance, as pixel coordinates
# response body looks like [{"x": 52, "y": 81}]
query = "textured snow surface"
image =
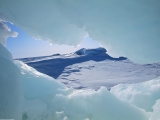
[
  {"x": 127, "y": 28},
  {"x": 141, "y": 95},
  {"x": 93, "y": 68},
  {"x": 107, "y": 73},
  {"x": 61, "y": 103},
  {"x": 46, "y": 98}
]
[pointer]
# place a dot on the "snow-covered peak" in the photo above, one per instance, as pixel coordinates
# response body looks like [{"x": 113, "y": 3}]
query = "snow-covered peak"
[
  {"x": 95, "y": 65},
  {"x": 95, "y": 51}
]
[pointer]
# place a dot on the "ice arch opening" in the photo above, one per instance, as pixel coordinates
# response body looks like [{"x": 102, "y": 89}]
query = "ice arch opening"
[
  {"x": 33, "y": 95},
  {"x": 127, "y": 28},
  {"x": 121, "y": 25},
  {"x": 26, "y": 46}
]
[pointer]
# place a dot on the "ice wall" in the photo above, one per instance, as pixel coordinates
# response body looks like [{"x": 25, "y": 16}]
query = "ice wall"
[
  {"x": 36, "y": 84},
  {"x": 10, "y": 79},
  {"x": 45, "y": 98},
  {"x": 10, "y": 87},
  {"x": 156, "y": 107},
  {"x": 127, "y": 28},
  {"x": 144, "y": 95}
]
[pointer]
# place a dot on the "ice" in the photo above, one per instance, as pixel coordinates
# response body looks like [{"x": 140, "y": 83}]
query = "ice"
[
  {"x": 46, "y": 98},
  {"x": 10, "y": 87},
  {"x": 40, "y": 85},
  {"x": 156, "y": 107},
  {"x": 10, "y": 79},
  {"x": 142, "y": 95},
  {"x": 99, "y": 104},
  {"x": 5, "y": 32},
  {"x": 126, "y": 28},
  {"x": 33, "y": 108}
]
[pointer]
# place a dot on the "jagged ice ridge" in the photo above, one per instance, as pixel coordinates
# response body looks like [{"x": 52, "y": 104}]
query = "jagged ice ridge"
[{"x": 119, "y": 25}]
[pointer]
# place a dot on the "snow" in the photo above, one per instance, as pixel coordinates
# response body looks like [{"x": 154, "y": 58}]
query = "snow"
[
  {"x": 106, "y": 73},
  {"x": 47, "y": 98},
  {"x": 67, "y": 103},
  {"x": 84, "y": 51},
  {"x": 96, "y": 65},
  {"x": 128, "y": 28},
  {"x": 125, "y": 28}
]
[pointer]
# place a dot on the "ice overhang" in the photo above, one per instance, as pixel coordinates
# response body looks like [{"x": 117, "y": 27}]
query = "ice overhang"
[{"x": 126, "y": 28}]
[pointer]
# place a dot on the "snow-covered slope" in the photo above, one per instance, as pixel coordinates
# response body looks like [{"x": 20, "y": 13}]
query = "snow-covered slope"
[
  {"x": 128, "y": 28},
  {"x": 93, "y": 68},
  {"x": 92, "y": 74}
]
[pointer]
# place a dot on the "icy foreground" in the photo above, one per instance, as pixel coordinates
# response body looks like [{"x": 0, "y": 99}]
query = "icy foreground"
[
  {"x": 45, "y": 98},
  {"x": 10, "y": 86},
  {"x": 92, "y": 68},
  {"x": 127, "y": 28}
]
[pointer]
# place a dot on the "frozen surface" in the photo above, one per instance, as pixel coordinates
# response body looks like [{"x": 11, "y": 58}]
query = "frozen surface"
[
  {"x": 62, "y": 103},
  {"x": 5, "y": 32},
  {"x": 35, "y": 80},
  {"x": 96, "y": 65},
  {"x": 10, "y": 87},
  {"x": 126, "y": 28},
  {"x": 141, "y": 95},
  {"x": 97, "y": 51},
  {"x": 156, "y": 107},
  {"x": 48, "y": 99},
  {"x": 144, "y": 95},
  {"x": 107, "y": 73}
]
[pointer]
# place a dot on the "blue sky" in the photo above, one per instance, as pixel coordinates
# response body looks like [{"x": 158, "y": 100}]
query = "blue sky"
[{"x": 26, "y": 46}]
